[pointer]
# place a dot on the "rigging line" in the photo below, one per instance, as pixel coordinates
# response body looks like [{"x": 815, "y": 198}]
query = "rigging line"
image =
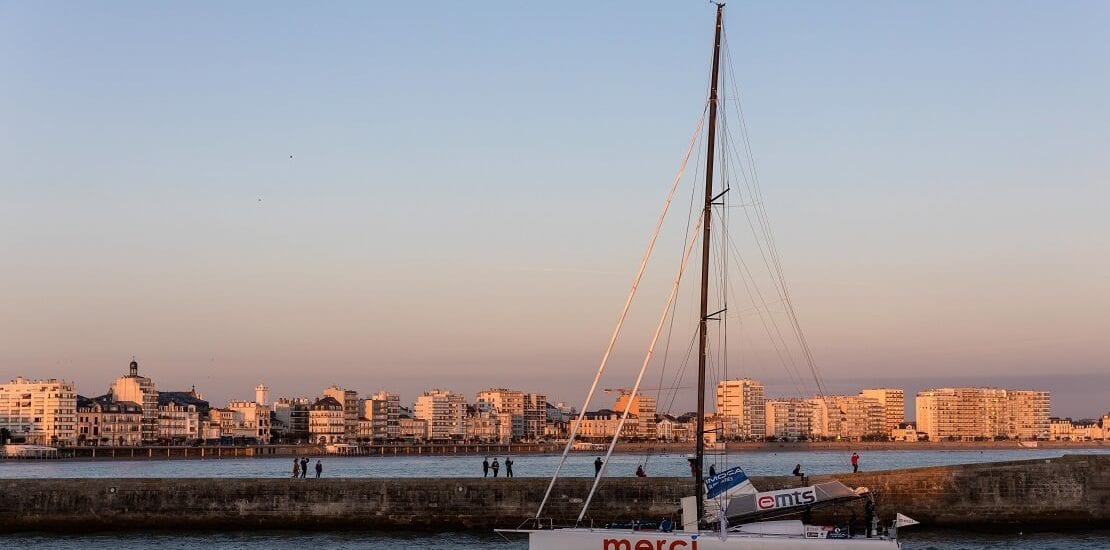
[
  {"x": 769, "y": 230},
  {"x": 748, "y": 288},
  {"x": 643, "y": 369},
  {"x": 791, "y": 316},
  {"x": 624, "y": 310},
  {"x": 791, "y": 367},
  {"x": 689, "y": 220}
]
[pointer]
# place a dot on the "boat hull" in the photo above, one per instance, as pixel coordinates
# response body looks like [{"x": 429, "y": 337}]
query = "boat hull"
[{"x": 617, "y": 539}]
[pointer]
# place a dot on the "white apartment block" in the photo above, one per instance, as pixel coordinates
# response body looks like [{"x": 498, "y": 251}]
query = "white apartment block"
[
  {"x": 383, "y": 410},
  {"x": 983, "y": 413},
  {"x": 525, "y": 412},
  {"x": 741, "y": 411},
  {"x": 444, "y": 412},
  {"x": 847, "y": 417},
  {"x": 42, "y": 412},
  {"x": 790, "y": 419},
  {"x": 893, "y": 401}
]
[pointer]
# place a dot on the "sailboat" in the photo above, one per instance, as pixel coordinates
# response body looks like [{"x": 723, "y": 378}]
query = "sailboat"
[{"x": 724, "y": 512}]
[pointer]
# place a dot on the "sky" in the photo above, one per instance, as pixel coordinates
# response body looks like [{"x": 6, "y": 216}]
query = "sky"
[{"x": 410, "y": 195}]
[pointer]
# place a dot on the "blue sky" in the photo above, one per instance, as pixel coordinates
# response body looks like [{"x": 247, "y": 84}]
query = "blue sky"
[{"x": 471, "y": 185}]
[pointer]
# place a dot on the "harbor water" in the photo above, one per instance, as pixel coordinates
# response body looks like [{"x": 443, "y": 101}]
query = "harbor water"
[{"x": 764, "y": 463}]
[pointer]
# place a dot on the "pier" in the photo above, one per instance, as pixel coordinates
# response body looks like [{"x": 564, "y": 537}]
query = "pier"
[{"x": 1048, "y": 494}]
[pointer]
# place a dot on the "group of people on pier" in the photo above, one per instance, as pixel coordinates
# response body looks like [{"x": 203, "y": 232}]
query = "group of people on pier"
[
  {"x": 487, "y": 467},
  {"x": 300, "y": 468}
]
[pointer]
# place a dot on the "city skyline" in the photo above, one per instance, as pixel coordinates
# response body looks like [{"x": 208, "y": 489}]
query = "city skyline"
[
  {"x": 408, "y": 393},
  {"x": 286, "y": 195}
]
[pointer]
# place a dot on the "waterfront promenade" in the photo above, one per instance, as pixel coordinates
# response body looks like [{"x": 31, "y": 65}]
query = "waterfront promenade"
[{"x": 1042, "y": 494}]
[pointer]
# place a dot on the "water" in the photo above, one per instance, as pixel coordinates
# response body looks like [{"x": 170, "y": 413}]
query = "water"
[
  {"x": 622, "y": 465},
  {"x": 282, "y": 540}
]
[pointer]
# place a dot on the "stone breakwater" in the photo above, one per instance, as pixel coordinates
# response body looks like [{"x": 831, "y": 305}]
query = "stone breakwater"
[{"x": 1067, "y": 492}]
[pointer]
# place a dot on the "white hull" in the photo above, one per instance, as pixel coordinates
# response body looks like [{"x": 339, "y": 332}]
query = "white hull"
[{"x": 622, "y": 539}]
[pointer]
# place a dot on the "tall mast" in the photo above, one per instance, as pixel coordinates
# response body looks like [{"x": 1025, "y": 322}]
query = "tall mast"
[{"x": 699, "y": 455}]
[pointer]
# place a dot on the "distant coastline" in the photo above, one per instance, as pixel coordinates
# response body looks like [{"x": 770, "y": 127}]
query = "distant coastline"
[{"x": 274, "y": 451}]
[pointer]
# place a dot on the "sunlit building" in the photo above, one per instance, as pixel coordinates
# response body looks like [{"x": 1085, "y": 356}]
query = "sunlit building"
[
  {"x": 893, "y": 401},
  {"x": 741, "y": 411},
  {"x": 983, "y": 413},
  {"x": 180, "y": 415},
  {"x": 350, "y": 402},
  {"x": 790, "y": 419},
  {"x": 253, "y": 422},
  {"x": 42, "y": 412},
  {"x": 140, "y": 390},
  {"x": 643, "y": 407},
  {"x": 444, "y": 412},
  {"x": 326, "y": 422},
  {"x": 105, "y": 422}
]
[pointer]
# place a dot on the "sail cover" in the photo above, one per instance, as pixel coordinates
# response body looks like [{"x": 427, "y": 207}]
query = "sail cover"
[
  {"x": 786, "y": 499},
  {"x": 729, "y": 483}
]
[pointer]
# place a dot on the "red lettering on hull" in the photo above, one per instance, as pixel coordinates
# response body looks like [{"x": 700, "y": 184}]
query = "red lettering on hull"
[{"x": 645, "y": 544}]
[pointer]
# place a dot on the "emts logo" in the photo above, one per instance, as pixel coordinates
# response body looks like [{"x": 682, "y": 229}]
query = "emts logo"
[
  {"x": 785, "y": 499},
  {"x": 644, "y": 544}
]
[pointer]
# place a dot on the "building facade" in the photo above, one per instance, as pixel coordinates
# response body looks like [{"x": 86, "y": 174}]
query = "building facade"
[
  {"x": 444, "y": 413},
  {"x": 789, "y": 419},
  {"x": 643, "y": 407},
  {"x": 253, "y": 421},
  {"x": 42, "y": 412},
  {"x": 893, "y": 401},
  {"x": 741, "y": 411},
  {"x": 350, "y": 402},
  {"x": 104, "y": 422},
  {"x": 970, "y": 414},
  {"x": 141, "y": 390},
  {"x": 327, "y": 423},
  {"x": 383, "y": 410}
]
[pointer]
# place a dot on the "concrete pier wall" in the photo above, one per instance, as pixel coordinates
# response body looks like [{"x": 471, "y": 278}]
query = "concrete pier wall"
[{"x": 1070, "y": 492}]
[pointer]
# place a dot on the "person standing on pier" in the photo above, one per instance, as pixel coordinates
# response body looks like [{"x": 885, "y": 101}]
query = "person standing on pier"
[
  {"x": 296, "y": 468},
  {"x": 319, "y": 469},
  {"x": 855, "y": 462},
  {"x": 304, "y": 467},
  {"x": 495, "y": 467},
  {"x": 508, "y": 466},
  {"x": 640, "y": 471},
  {"x": 485, "y": 467},
  {"x": 597, "y": 466}
]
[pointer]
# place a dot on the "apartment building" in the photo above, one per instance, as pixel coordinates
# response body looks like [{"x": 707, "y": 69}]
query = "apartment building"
[
  {"x": 105, "y": 422},
  {"x": 42, "y": 412},
  {"x": 983, "y": 413},
  {"x": 327, "y": 421},
  {"x": 525, "y": 412},
  {"x": 741, "y": 411},
  {"x": 790, "y": 419},
  {"x": 350, "y": 402},
  {"x": 383, "y": 410},
  {"x": 253, "y": 421},
  {"x": 141, "y": 390},
  {"x": 444, "y": 412},
  {"x": 893, "y": 401},
  {"x": 643, "y": 407}
]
